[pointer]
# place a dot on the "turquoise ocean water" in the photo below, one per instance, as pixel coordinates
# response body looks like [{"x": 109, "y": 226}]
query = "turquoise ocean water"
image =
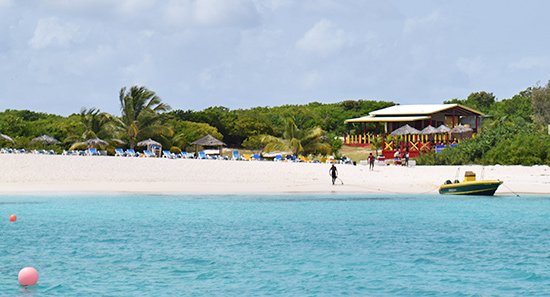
[{"x": 277, "y": 245}]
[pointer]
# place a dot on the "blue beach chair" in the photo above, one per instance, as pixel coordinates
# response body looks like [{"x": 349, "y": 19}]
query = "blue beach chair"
[
  {"x": 92, "y": 152},
  {"x": 148, "y": 154},
  {"x": 236, "y": 156},
  {"x": 168, "y": 154},
  {"x": 131, "y": 153},
  {"x": 119, "y": 152}
]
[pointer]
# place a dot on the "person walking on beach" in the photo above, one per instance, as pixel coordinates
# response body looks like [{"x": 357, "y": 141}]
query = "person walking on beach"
[
  {"x": 333, "y": 173},
  {"x": 371, "y": 162}
]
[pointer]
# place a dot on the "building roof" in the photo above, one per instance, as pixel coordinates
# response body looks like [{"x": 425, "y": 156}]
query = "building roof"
[
  {"x": 371, "y": 119},
  {"x": 411, "y": 113},
  {"x": 420, "y": 109},
  {"x": 208, "y": 140}
]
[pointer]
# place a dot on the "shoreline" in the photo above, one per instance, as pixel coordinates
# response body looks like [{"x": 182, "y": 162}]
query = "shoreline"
[{"x": 29, "y": 174}]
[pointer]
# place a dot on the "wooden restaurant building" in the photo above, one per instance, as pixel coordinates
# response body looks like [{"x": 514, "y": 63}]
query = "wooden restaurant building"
[{"x": 449, "y": 124}]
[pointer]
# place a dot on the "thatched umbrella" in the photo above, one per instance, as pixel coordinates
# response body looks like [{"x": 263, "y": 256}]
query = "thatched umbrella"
[
  {"x": 96, "y": 142},
  {"x": 405, "y": 130},
  {"x": 443, "y": 129},
  {"x": 208, "y": 140},
  {"x": 150, "y": 144},
  {"x": 461, "y": 132},
  {"x": 45, "y": 139},
  {"x": 429, "y": 130},
  {"x": 6, "y": 138}
]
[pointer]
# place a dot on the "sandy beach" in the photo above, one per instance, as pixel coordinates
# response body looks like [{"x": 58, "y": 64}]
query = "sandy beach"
[{"x": 44, "y": 174}]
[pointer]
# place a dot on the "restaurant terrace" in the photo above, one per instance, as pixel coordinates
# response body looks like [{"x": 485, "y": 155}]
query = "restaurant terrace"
[{"x": 414, "y": 128}]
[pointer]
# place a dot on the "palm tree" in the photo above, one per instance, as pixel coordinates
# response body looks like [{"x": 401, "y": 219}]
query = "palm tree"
[
  {"x": 97, "y": 124},
  {"x": 299, "y": 140},
  {"x": 140, "y": 110}
]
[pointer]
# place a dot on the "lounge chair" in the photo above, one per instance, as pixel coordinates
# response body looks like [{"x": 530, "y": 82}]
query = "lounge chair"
[
  {"x": 256, "y": 157},
  {"x": 236, "y": 156},
  {"x": 131, "y": 153},
  {"x": 184, "y": 155},
  {"x": 278, "y": 158},
  {"x": 168, "y": 154},
  {"x": 119, "y": 152},
  {"x": 92, "y": 152},
  {"x": 148, "y": 154},
  {"x": 202, "y": 155}
]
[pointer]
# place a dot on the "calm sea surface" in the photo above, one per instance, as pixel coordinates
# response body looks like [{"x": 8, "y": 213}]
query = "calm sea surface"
[{"x": 277, "y": 245}]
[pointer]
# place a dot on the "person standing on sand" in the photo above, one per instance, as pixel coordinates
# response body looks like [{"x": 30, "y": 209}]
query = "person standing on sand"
[
  {"x": 333, "y": 173},
  {"x": 371, "y": 161}
]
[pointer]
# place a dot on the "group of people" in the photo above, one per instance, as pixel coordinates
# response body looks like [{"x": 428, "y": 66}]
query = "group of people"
[{"x": 402, "y": 157}]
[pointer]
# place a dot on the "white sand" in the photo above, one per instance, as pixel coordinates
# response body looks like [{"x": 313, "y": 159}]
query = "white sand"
[{"x": 43, "y": 174}]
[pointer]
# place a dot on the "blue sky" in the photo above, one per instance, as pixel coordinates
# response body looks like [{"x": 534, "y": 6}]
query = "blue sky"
[{"x": 58, "y": 56}]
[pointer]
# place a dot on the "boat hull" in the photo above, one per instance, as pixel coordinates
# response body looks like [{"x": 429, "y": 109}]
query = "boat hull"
[{"x": 481, "y": 188}]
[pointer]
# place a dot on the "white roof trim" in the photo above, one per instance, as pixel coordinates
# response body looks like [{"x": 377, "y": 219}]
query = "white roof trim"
[
  {"x": 371, "y": 119},
  {"x": 415, "y": 109}
]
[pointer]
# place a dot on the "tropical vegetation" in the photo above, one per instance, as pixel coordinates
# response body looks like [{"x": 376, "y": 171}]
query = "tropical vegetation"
[{"x": 515, "y": 131}]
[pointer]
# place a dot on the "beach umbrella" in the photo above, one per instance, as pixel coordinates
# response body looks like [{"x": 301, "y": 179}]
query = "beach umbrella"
[
  {"x": 443, "y": 129},
  {"x": 148, "y": 143},
  {"x": 405, "y": 130},
  {"x": 6, "y": 138},
  {"x": 208, "y": 140},
  {"x": 151, "y": 145},
  {"x": 429, "y": 130},
  {"x": 461, "y": 132},
  {"x": 118, "y": 141},
  {"x": 45, "y": 139},
  {"x": 96, "y": 142}
]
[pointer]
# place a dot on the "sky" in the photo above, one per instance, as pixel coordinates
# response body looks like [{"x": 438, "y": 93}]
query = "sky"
[{"x": 58, "y": 56}]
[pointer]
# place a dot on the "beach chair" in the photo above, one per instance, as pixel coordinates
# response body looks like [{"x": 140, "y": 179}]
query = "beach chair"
[
  {"x": 131, "y": 153},
  {"x": 202, "y": 155},
  {"x": 303, "y": 159},
  {"x": 236, "y": 156},
  {"x": 92, "y": 152},
  {"x": 168, "y": 154},
  {"x": 278, "y": 158},
  {"x": 119, "y": 152},
  {"x": 182, "y": 155},
  {"x": 148, "y": 154},
  {"x": 256, "y": 157}
]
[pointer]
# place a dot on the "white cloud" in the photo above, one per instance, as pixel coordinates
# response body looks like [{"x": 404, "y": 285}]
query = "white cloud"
[
  {"x": 532, "y": 62},
  {"x": 51, "y": 32},
  {"x": 413, "y": 24},
  {"x": 210, "y": 12},
  {"x": 5, "y": 3},
  {"x": 133, "y": 7},
  {"x": 124, "y": 7},
  {"x": 324, "y": 38}
]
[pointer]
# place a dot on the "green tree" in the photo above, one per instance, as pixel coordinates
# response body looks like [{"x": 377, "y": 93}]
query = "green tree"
[
  {"x": 298, "y": 140},
  {"x": 140, "y": 118},
  {"x": 541, "y": 105},
  {"x": 481, "y": 100},
  {"x": 191, "y": 131},
  {"x": 97, "y": 124}
]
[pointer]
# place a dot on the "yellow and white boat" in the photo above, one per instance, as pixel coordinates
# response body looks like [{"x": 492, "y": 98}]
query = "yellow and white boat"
[{"x": 470, "y": 186}]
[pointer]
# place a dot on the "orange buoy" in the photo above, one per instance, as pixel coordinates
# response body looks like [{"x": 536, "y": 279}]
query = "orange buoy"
[{"x": 13, "y": 218}]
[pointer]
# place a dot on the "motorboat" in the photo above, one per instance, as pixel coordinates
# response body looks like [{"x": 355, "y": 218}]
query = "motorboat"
[{"x": 470, "y": 186}]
